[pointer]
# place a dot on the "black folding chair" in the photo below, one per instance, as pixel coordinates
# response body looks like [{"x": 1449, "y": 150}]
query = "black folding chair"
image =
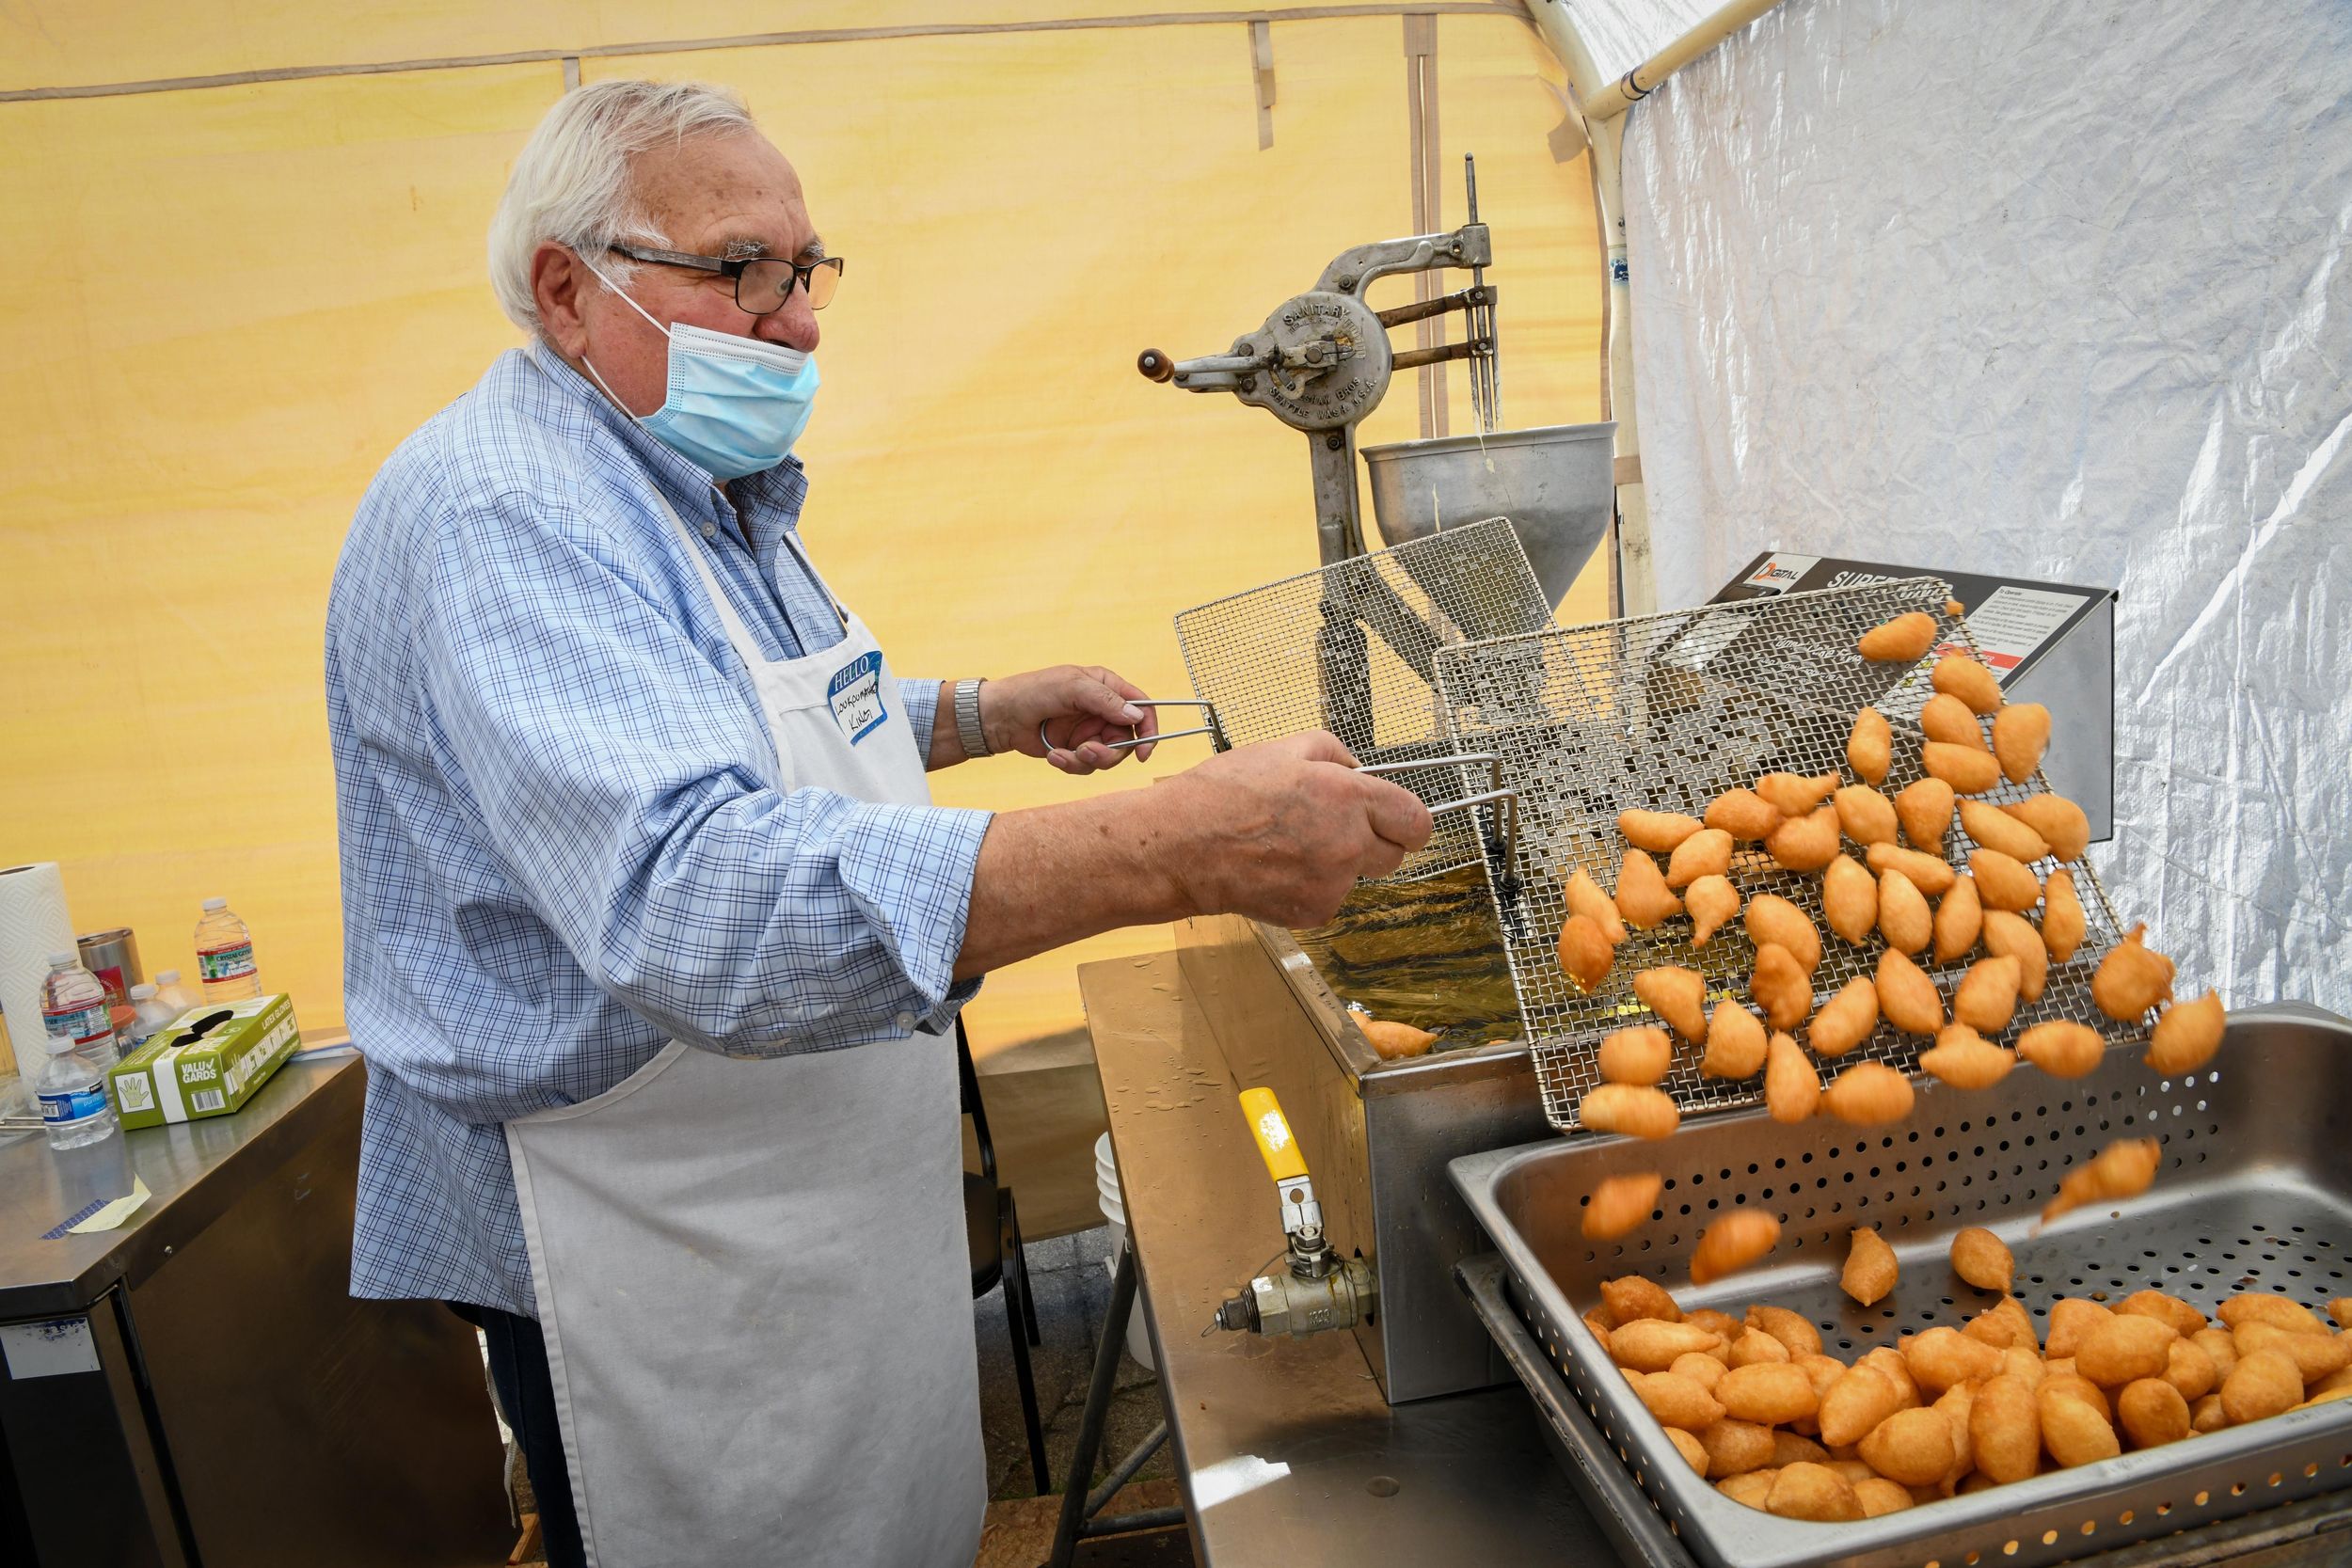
[{"x": 991, "y": 1229}]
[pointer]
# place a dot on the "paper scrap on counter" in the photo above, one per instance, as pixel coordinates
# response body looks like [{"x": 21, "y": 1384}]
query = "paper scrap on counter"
[{"x": 114, "y": 1213}]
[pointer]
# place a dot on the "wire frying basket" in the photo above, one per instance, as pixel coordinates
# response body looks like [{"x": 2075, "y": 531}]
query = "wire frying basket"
[
  {"x": 1663, "y": 713},
  {"x": 1352, "y": 648}
]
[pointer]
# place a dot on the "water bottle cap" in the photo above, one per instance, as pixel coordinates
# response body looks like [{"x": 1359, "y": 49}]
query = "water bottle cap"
[
  {"x": 62, "y": 960},
  {"x": 212, "y": 904},
  {"x": 141, "y": 992}
]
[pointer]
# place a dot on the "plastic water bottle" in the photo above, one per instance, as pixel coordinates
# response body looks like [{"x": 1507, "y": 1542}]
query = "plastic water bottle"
[
  {"x": 224, "y": 954},
  {"x": 148, "y": 1013},
  {"x": 172, "y": 994},
  {"x": 76, "y": 1012},
  {"x": 93, "y": 1165}
]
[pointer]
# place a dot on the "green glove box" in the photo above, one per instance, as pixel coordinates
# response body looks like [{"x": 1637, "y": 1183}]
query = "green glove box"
[{"x": 208, "y": 1064}]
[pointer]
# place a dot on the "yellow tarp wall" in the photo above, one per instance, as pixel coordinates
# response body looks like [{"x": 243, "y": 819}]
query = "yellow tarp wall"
[{"x": 221, "y": 306}]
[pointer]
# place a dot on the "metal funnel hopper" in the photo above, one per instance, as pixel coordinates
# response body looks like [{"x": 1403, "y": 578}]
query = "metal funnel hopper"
[{"x": 1554, "y": 483}]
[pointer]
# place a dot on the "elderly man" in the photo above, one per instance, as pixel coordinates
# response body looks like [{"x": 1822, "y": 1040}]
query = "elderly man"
[{"x": 655, "y": 940}]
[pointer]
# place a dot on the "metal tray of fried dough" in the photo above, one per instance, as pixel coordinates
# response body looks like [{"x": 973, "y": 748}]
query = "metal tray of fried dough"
[{"x": 2253, "y": 1192}]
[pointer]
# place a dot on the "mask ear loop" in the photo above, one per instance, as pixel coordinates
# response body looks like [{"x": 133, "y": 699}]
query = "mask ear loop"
[{"x": 623, "y": 293}]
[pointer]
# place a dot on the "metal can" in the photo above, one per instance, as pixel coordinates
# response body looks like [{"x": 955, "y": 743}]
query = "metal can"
[{"x": 114, "y": 957}]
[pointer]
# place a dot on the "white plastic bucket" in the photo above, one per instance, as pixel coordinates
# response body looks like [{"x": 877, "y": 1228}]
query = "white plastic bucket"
[{"x": 1114, "y": 1206}]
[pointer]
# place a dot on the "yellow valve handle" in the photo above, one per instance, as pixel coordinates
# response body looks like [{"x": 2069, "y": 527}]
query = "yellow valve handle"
[{"x": 1272, "y": 1130}]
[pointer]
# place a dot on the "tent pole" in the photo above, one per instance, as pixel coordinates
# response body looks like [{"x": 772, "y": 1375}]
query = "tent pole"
[{"x": 1627, "y": 90}]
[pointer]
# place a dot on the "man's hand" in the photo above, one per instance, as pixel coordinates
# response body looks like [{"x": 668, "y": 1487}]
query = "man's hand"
[
  {"x": 1280, "y": 831},
  {"x": 1080, "y": 707}
]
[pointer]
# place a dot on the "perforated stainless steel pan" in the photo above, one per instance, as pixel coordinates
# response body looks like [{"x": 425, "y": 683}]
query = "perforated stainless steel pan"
[{"x": 2254, "y": 1193}]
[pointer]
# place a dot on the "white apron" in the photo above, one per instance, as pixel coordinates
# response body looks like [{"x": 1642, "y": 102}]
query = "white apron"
[{"x": 752, "y": 1273}]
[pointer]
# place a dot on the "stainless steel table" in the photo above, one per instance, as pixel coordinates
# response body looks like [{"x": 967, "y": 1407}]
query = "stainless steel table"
[
  {"x": 1285, "y": 1448},
  {"x": 198, "y": 1387}
]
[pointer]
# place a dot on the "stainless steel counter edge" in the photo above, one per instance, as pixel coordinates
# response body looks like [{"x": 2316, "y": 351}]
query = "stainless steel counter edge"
[{"x": 193, "y": 1169}]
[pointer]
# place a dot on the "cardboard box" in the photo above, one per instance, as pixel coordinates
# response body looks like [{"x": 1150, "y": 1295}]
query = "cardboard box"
[{"x": 208, "y": 1064}]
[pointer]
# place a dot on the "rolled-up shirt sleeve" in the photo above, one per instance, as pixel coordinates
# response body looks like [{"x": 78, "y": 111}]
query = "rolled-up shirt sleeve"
[
  {"x": 623, "y": 779},
  {"x": 921, "y": 700}
]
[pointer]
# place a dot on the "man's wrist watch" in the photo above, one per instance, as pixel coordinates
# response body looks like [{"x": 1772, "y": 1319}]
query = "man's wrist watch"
[{"x": 968, "y": 720}]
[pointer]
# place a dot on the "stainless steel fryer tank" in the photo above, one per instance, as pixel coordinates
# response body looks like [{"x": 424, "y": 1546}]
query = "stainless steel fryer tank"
[{"x": 1379, "y": 1135}]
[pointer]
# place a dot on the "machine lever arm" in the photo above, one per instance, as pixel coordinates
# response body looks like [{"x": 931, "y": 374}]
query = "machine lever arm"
[{"x": 1421, "y": 310}]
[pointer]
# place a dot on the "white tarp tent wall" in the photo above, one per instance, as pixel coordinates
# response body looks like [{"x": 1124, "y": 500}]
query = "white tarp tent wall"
[{"x": 2049, "y": 287}]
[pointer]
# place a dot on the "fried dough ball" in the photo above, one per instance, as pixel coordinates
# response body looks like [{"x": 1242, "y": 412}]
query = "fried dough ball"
[
  {"x": 1855, "y": 1403},
  {"x": 1622, "y": 1204},
  {"x": 1660, "y": 832},
  {"x": 1642, "y": 896},
  {"x": 2005, "y": 1429},
  {"x": 1928, "y": 874},
  {"x": 1967, "y": 769},
  {"x": 2074, "y": 1431},
  {"x": 1651, "y": 1344},
  {"x": 1743, "y": 814},
  {"x": 2131, "y": 978},
  {"x": 2062, "y": 922},
  {"x": 1868, "y": 1094},
  {"x": 1735, "y": 1042},
  {"x": 1805, "y": 842},
  {"x": 1770, "y": 1393},
  {"x": 1924, "y": 807},
  {"x": 1869, "y": 746},
  {"x": 1958, "y": 919},
  {"x": 1995, "y": 828},
  {"x": 1678, "y": 996},
  {"x": 1771, "y": 918},
  {"x": 2186, "y": 1320},
  {"x": 1631, "y": 1298},
  {"x": 1732, "y": 1243},
  {"x": 1959, "y": 675},
  {"x": 1781, "y": 986},
  {"x": 2021, "y": 733},
  {"x": 1711, "y": 900},
  {"x": 1901, "y": 641},
  {"x": 1640, "y": 1054},
  {"x": 1850, "y": 900},
  {"x": 2012, "y": 936},
  {"x": 1795, "y": 794},
  {"x": 1865, "y": 815},
  {"x": 1982, "y": 1259},
  {"x": 2061, "y": 822},
  {"x": 1910, "y": 1448},
  {"x": 2187, "y": 1035},
  {"x": 1812, "y": 1492},
  {"x": 1987, "y": 998},
  {"x": 1869, "y": 1274},
  {"x": 1945, "y": 717},
  {"x": 1965, "y": 1060},
  {"x": 2124, "y": 1349},
  {"x": 1844, "y": 1022},
  {"x": 1705, "y": 853},
  {"x": 2002, "y": 881},
  {"x": 2062, "y": 1048},
  {"x": 2151, "y": 1413},
  {"x": 1395, "y": 1041},
  {"x": 1694, "y": 1452},
  {"x": 2264, "y": 1383},
  {"x": 1792, "y": 1329},
  {"x": 2124, "y": 1168},
  {"x": 1792, "y": 1088},
  {"x": 1584, "y": 952},
  {"x": 1904, "y": 919},
  {"x": 1584, "y": 897},
  {"x": 1907, "y": 998},
  {"x": 1631, "y": 1109}
]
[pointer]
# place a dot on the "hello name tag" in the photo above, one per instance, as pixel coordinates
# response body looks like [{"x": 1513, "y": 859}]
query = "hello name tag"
[{"x": 857, "y": 699}]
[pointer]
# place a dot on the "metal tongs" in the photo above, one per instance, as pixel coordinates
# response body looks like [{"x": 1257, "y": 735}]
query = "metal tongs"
[{"x": 1495, "y": 794}]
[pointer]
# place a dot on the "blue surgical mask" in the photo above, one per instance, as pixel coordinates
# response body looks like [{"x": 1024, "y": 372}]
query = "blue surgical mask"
[{"x": 735, "y": 405}]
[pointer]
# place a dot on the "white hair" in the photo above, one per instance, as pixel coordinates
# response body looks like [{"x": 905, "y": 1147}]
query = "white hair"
[{"x": 571, "y": 184}]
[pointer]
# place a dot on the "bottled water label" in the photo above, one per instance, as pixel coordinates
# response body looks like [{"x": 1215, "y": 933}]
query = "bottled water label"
[
  {"x": 81, "y": 1026},
  {"x": 225, "y": 964},
  {"x": 75, "y": 1103}
]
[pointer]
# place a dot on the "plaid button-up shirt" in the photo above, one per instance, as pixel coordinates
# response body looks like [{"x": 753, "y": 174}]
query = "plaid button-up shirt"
[{"x": 563, "y": 837}]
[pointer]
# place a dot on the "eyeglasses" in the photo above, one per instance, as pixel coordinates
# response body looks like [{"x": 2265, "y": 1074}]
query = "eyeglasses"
[{"x": 762, "y": 283}]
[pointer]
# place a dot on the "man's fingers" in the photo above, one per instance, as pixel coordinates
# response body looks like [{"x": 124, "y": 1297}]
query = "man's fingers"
[
  {"x": 1320, "y": 746},
  {"x": 1089, "y": 695},
  {"x": 1396, "y": 814}
]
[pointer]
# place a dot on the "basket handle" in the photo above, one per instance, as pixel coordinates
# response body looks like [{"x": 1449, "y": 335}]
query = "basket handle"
[{"x": 1213, "y": 730}]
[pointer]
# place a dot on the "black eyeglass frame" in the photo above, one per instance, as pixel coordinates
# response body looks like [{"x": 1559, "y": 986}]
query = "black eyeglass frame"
[{"x": 736, "y": 266}]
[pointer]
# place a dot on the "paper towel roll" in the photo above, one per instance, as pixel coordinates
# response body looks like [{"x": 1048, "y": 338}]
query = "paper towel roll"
[{"x": 33, "y": 925}]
